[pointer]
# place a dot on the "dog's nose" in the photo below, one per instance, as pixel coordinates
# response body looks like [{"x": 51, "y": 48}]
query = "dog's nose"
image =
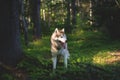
[
  {"x": 60, "y": 41},
  {"x": 66, "y": 41}
]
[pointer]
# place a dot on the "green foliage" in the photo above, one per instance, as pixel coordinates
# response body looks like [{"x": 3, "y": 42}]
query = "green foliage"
[
  {"x": 6, "y": 77},
  {"x": 90, "y": 58},
  {"x": 90, "y": 55},
  {"x": 106, "y": 15},
  {"x": 90, "y": 49}
]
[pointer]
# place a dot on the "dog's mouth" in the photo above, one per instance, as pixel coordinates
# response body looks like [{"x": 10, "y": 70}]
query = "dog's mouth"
[{"x": 63, "y": 44}]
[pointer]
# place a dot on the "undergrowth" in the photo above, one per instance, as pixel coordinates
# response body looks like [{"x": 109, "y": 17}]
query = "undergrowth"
[{"x": 90, "y": 58}]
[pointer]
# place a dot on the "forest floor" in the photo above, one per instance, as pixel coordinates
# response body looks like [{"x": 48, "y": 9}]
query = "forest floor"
[{"x": 94, "y": 56}]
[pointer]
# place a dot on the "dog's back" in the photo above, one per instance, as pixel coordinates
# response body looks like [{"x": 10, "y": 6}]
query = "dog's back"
[{"x": 54, "y": 44}]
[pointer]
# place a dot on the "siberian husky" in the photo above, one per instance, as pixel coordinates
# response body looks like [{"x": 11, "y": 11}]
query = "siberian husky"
[{"x": 59, "y": 47}]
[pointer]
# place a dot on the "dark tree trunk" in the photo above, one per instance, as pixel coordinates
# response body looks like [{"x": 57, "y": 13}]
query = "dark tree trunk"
[
  {"x": 10, "y": 49},
  {"x": 23, "y": 21},
  {"x": 68, "y": 26},
  {"x": 73, "y": 12},
  {"x": 35, "y": 15}
]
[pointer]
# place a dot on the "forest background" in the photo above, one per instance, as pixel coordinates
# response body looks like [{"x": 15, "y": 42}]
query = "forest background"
[{"x": 92, "y": 27}]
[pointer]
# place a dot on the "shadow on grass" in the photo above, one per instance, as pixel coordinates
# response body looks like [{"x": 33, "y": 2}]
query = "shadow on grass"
[{"x": 89, "y": 53}]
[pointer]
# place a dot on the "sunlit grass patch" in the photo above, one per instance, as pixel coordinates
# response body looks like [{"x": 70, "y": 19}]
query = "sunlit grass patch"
[
  {"x": 101, "y": 57},
  {"x": 39, "y": 49},
  {"x": 91, "y": 47}
]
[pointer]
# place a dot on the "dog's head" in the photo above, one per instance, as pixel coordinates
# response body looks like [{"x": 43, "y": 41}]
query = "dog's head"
[{"x": 60, "y": 35}]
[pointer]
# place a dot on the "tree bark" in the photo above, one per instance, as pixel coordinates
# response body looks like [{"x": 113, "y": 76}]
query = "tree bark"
[
  {"x": 68, "y": 26},
  {"x": 23, "y": 21},
  {"x": 35, "y": 15},
  {"x": 91, "y": 13},
  {"x": 73, "y": 12},
  {"x": 10, "y": 49}
]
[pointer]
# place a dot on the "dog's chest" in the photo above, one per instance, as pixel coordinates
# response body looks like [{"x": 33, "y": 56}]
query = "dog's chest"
[{"x": 61, "y": 47}]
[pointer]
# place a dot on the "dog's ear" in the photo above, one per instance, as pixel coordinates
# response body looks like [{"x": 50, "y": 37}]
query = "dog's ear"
[
  {"x": 63, "y": 30},
  {"x": 56, "y": 30}
]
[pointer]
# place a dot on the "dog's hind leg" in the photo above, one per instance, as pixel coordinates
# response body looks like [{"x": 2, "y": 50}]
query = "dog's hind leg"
[{"x": 54, "y": 59}]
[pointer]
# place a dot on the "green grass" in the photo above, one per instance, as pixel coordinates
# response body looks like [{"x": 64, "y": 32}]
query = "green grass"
[{"x": 90, "y": 58}]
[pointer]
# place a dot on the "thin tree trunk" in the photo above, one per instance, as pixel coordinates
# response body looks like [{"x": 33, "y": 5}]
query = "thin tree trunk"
[
  {"x": 73, "y": 12},
  {"x": 67, "y": 22},
  {"x": 35, "y": 15},
  {"x": 24, "y": 23},
  {"x": 90, "y": 13}
]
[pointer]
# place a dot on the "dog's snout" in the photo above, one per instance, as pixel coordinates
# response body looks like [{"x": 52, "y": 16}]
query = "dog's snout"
[
  {"x": 60, "y": 41},
  {"x": 66, "y": 41}
]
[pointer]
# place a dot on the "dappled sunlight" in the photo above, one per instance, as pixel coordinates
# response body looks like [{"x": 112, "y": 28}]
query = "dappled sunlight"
[
  {"x": 105, "y": 58},
  {"x": 78, "y": 32},
  {"x": 89, "y": 50},
  {"x": 29, "y": 49},
  {"x": 89, "y": 53},
  {"x": 39, "y": 49},
  {"x": 92, "y": 47},
  {"x": 101, "y": 57},
  {"x": 92, "y": 29},
  {"x": 38, "y": 43}
]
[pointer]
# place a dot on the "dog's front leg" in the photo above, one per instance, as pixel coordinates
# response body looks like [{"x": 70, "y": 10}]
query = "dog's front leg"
[
  {"x": 65, "y": 61},
  {"x": 54, "y": 59}
]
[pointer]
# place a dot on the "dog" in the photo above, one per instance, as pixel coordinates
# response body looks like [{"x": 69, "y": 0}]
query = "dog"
[{"x": 59, "y": 47}]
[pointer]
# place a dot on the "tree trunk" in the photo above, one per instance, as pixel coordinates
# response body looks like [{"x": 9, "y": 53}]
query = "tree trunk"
[
  {"x": 23, "y": 21},
  {"x": 35, "y": 15},
  {"x": 67, "y": 22},
  {"x": 73, "y": 12},
  {"x": 10, "y": 49},
  {"x": 91, "y": 13}
]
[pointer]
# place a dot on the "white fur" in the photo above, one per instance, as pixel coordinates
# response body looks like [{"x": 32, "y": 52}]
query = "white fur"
[{"x": 63, "y": 47}]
